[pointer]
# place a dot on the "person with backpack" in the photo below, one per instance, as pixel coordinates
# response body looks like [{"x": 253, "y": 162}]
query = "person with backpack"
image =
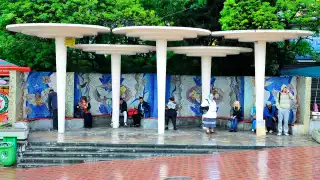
[
  {"x": 283, "y": 103},
  {"x": 209, "y": 117}
]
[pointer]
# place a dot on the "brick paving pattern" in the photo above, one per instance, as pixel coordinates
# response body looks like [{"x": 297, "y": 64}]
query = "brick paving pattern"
[{"x": 278, "y": 163}]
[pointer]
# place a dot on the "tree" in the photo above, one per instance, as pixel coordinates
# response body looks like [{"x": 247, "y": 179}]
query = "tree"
[
  {"x": 275, "y": 14},
  {"x": 40, "y": 53}
]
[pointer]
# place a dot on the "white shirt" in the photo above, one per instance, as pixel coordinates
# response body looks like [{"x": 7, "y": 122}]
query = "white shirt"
[{"x": 212, "y": 112}]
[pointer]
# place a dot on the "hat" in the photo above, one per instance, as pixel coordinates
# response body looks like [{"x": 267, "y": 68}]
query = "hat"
[
  {"x": 268, "y": 103},
  {"x": 283, "y": 86}
]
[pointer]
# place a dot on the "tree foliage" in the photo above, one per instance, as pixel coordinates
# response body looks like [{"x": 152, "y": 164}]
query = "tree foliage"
[
  {"x": 40, "y": 53},
  {"x": 275, "y": 14},
  {"x": 215, "y": 15}
]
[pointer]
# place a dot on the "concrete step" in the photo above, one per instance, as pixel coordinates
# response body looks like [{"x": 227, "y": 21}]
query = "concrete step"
[
  {"x": 68, "y": 144},
  {"x": 97, "y": 154},
  {"x": 37, "y": 165},
  {"x": 69, "y": 160},
  {"x": 80, "y": 149},
  {"x": 166, "y": 146}
]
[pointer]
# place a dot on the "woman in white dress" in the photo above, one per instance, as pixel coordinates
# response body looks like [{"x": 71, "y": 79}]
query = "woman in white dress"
[{"x": 209, "y": 118}]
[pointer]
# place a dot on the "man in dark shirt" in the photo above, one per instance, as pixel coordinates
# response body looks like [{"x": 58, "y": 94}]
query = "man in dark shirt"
[
  {"x": 53, "y": 107},
  {"x": 124, "y": 110}
]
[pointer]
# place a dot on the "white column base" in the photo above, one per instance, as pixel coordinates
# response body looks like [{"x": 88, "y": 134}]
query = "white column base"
[
  {"x": 61, "y": 63},
  {"x": 116, "y": 76},
  {"x": 205, "y": 76},
  {"x": 260, "y": 64},
  {"x": 161, "y": 79}
]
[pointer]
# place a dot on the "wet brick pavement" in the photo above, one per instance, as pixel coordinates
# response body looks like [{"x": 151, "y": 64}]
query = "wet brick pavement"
[{"x": 279, "y": 163}]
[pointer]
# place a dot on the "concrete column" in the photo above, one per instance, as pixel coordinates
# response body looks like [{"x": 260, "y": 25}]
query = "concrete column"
[
  {"x": 15, "y": 110},
  {"x": 161, "y": 79},
  {"x": 61, "y": 63},
  {"x": 205, "y": 76},
  {"x": 116, "y": 75},
  {"x": 305, "y": 100},
  {"x": 260, "y": 63}
]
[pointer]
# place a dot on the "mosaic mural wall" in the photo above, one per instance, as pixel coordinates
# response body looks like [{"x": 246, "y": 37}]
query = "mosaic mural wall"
[
  {"x": 98, "y": 89},
  {"x": 187, "y": 92},
  {"x": 185, "y": 89},
  {"x": 37, "y": 86}
]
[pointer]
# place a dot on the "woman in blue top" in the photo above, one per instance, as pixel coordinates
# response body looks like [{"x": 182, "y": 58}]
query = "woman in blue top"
[{"x": 270, "y": 116}]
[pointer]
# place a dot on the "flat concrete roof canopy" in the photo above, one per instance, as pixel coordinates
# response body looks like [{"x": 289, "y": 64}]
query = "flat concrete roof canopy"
[
  {"x": 168, "y": 33},
  {"x": 213, "y": 51},
  {"x": 59, "y": 32},
  {"x": 206, "y": 53},
  {"x": 53, "y": 30},
  {"x": 115, "y": 48},
  {"x": 161, "y": 34},
  {"x": 262, "y": 35},
  {"x": 260, "y": 38}
]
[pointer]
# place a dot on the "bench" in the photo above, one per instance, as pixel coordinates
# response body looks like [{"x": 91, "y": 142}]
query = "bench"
[{"x": 246, "y": 121}]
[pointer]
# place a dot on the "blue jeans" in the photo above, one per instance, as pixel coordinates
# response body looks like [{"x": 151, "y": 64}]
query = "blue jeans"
[
  {"x": 234, "y": 124},
  {"x": 254, "y": 125}
]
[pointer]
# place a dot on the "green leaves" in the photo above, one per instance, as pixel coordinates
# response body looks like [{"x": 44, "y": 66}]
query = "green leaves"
[
  {"x": 279, "y": 14},
  {"x": 249, "y": 14},
  {"x": 39, "y": 54}
]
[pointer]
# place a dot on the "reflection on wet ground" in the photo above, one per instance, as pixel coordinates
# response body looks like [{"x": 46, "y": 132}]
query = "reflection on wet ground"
[
  {"x": 276, "y": 163},
  {"x": 298, "y": 161},
  {"x": 184, "y": 136}
]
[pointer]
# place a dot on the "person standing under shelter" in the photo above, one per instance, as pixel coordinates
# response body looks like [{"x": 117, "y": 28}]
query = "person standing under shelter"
[
  {"x": 283, "y": 103},
  {"x": 124, "y": 111},
  {"x": 53, "y": 108},
  {"x": 87, "y": 117},
  {"x": 171, "y": 113},
  {"x": 209, "y": 118}
]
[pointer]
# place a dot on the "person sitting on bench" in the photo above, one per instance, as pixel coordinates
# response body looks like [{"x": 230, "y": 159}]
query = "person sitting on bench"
[
  {"x": 270, "y": 116},
  {"x": 124, "y": 111},
  {"x": 236, "y": 116},
  {"x": 253, "y": 118},
  {"x": 143, "y": 108}
]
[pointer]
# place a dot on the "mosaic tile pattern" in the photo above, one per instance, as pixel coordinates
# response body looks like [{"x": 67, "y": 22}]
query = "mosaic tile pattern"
[
  {"x": 15, "y": 111},
  {"x": 279, "y": 163},
  {"x": 70, "y": 94}
]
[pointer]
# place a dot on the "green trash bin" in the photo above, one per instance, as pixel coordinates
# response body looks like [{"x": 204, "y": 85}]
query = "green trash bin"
[
  {"x": 13, "y": 140},
  {"x": 7, "y": 154}
]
